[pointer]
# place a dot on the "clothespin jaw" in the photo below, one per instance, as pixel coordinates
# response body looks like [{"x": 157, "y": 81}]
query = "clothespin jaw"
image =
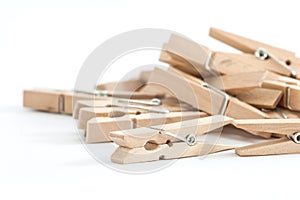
[{"x": 283, "y": 60}]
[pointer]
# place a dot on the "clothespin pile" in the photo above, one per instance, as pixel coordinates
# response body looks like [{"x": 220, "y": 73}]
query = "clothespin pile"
[{"x": 161, "y": 114}]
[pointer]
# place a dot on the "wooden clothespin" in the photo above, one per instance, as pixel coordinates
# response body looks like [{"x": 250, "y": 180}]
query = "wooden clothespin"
[
  {"x": 206, "y": 98},
  {"x": 56, "y": 101},
  {"x": 113, "y": 107},
  {"x": 275, "y": 59},
  {"x": 167, "y": 141},
  {"x": 59, "y": 101},
  {"x": 277, "y": 89},
  {"x": 288, "y": 128},
  {"x": 197, "y": 60},
  {"x": 114, "y": 102},
  {"x": 160, "y": 142},
  {"x": 99, "y": 128}
]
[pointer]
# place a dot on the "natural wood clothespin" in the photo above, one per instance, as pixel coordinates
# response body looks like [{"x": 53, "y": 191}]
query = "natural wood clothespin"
[
  {"x": 166, "y": 104},
  {"x": 195, "y": 92},
  {"x": 278, "y": 60},
  {"x": 59, "y": 101},
  {"x": 98, "y": 128},
  {"x": 117, "y": 106},
  {"x": 197, "y": 60},
  {"x": 50, "y": 100},
  {"x": 161, "y": 142},
  {"x": 289, "y": 144},
  {"x": 156, "y": 142}
]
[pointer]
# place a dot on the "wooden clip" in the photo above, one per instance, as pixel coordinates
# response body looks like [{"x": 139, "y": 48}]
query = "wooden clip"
[
  {"x": 274, "y": 147},
  {"x": 192, "y": 90},
  {"x": 140, "y": 137},
  {"x": 161, "y": 142},
  {"x": 180, "y": 53},
  {"x": 289, "y": 144},
  {"x": 106, "y": 108},
  {"x": 98, "y": 128},
  {"x": 184, "y": 55},
  {"x": 278, "y": 60},
  {"x": 152, "y": 105},
  {"x": 59, "y": 101},
  {"x": 55, "y": 101},
  {"x": 149, "y": 144}
]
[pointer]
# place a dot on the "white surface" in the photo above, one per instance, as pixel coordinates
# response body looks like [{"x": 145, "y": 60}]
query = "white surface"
[{"x": 44, "y": 44}]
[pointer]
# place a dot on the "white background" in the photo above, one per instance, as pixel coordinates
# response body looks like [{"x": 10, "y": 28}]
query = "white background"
[{"x": 43, "y": 44}]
